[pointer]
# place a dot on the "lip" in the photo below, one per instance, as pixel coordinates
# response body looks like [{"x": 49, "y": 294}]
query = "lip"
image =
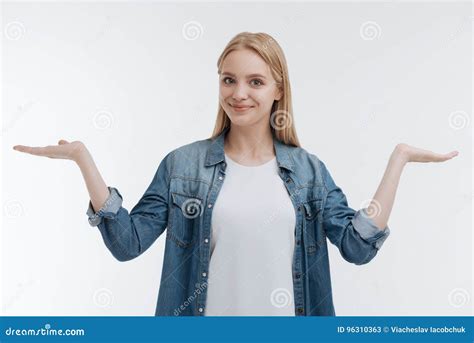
[{"x": 241, "y": 108}]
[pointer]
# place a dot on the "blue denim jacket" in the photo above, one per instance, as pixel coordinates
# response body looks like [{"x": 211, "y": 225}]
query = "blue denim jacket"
[{"x": 181, "y": 199}]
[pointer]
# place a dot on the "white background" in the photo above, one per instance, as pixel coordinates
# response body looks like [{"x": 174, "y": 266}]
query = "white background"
[{"x": 128, "y": 81}]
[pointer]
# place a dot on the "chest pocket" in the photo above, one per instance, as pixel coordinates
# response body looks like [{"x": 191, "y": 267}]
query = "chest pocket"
[
  {"x": 313, "y": 233},
  {"x": 186, "y": 213}
]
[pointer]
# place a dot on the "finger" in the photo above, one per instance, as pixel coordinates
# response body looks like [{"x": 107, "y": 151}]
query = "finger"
[
  {"x": 62, "y": 141},
  {"x": 445, "y": 157},
  {"x": 22, "y": 148},
  {"x": 39, "y": 151},
  {"x": 452, "y": 154}
]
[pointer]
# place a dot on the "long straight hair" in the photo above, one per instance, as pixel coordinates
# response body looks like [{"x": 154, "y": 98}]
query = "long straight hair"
[{"x": 281, "y": 118}]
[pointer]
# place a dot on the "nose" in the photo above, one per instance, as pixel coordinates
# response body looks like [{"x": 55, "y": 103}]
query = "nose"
[{"x": 240, "y": 92}]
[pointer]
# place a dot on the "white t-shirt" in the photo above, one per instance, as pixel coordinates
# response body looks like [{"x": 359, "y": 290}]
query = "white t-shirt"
[{"x": 252, "y": 243}]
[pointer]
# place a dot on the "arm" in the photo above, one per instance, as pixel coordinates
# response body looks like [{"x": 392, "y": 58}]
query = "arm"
[
  {"x": 128, "y": 235},
  {"x": 75, "y": 151},
  {"x": 360, "y": 234},
  {"x": 98, "y": 191},
  {"x": 381, "y": 205},
  {"x": 353, "y": 232}
]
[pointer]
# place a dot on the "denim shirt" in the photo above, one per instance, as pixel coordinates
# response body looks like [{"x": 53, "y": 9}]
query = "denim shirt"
[{"x": 181, "y": 199}]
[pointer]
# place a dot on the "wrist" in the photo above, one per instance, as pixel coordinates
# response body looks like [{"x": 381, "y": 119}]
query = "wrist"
[{"x": 81, "y": 155}]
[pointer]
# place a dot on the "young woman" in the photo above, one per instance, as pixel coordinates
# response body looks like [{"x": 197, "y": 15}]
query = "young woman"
[{"x": 248, "y": 210}]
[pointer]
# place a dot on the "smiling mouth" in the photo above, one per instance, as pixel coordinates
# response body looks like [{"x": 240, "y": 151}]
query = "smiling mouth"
[{"x": 241, "y": 108}]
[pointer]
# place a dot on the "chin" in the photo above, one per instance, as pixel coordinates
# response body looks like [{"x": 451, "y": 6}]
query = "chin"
[{"x": 244, "y": 121}]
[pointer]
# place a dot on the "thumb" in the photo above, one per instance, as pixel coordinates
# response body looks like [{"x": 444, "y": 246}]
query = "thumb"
[{"x": 62, "y": 141}]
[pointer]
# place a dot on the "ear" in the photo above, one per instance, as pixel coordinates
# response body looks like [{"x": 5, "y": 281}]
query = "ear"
[{"x": 279, "y": 95}]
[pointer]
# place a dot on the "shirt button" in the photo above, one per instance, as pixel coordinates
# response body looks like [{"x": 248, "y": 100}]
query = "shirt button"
[
  {"x": 206, "y": 240},
  {"x": 210, "y": 205},
  {"x": 204, "y": 274},
  {"x": 297, "y": 276},
  {"x": 288, "y": 180},
  {"x": 298, "y": 242},
  {"x": 201, "y": 309},
  {"x": 300, "y": 310},
  {"x": 220, "y": 177}
]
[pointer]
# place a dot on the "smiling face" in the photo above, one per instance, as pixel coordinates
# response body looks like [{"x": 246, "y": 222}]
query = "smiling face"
[{"x": 247, "y": 88}]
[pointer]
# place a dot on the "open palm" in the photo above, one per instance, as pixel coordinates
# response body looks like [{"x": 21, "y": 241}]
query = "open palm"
[
  {"x": 414, "y": 154},
  {"x": 64, "y": 150}
]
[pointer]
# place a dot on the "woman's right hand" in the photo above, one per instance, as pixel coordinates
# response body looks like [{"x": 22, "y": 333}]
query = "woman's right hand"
[
  {"x": 64, "y": 150},
  {"x": 77, "y": 152}
]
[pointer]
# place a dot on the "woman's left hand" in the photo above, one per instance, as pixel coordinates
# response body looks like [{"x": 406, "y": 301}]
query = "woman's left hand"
[{"x": 413, "y": 154}]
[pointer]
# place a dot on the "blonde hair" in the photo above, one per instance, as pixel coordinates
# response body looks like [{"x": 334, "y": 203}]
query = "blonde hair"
[{"x": 282, "y": 110}]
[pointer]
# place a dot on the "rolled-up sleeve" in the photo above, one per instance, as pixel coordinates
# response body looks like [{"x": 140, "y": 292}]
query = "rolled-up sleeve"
[
  {"x": 129, "y": 234},
  {"x": 109, "y": 209},
  {"x": 367, "y": 229},
  {"x": 353, "y": 232}
]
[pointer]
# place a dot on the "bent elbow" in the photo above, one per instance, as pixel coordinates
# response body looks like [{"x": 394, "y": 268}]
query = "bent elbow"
[
  {"x": 367, "y": 259},
  {"x": 357, "y": 251},
  {"x": 122, "y": 257},
  {"x": 359, "y": 259}
]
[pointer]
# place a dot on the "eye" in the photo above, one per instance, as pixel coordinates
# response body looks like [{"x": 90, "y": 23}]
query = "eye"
[
  {"x": 259, "y": 82},
  {"x": 225, "y": 79}
]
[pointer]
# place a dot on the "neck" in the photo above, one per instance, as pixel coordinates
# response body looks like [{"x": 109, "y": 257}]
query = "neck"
[{"x": 249, "y": 143}]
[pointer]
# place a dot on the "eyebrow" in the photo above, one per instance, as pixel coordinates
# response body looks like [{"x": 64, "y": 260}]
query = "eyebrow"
[{"x": 248, "y": 76}]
